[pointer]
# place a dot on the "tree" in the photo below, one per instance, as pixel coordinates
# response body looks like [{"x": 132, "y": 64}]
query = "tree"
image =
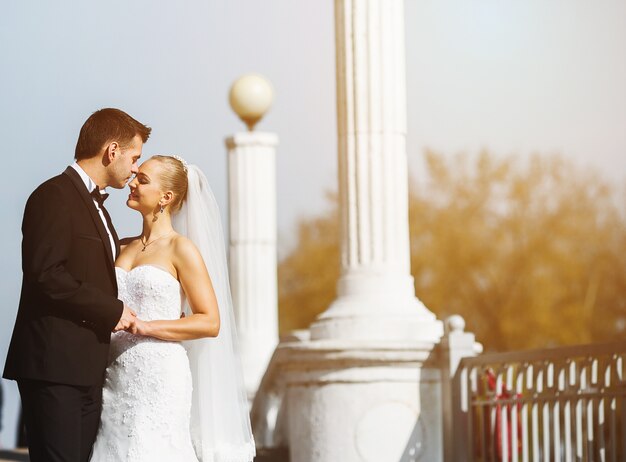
[
  {"x": 307, "y": 277},
  {"x": 530, "y": 254}
]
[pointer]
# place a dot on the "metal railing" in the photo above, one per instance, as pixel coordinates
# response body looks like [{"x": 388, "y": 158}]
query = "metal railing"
[{"x": 563, "y": 404}]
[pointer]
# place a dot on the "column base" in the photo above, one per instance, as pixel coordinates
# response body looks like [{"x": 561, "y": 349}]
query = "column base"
[
  {"x": 377, "y": 306},
  {"x": 356, "y": 318},
  {"x": 255, "y": 361},
  {"x": 418, "y": 325}
]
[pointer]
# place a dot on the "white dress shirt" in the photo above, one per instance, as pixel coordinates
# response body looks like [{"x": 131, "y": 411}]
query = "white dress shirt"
[{"x": 90, "y": 185}]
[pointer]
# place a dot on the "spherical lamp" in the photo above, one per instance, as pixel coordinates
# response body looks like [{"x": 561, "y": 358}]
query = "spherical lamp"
[{"x": 251, "y": 97}]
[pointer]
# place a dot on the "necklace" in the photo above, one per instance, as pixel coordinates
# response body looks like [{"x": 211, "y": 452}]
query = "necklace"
[{"x": 146, "y": 243}]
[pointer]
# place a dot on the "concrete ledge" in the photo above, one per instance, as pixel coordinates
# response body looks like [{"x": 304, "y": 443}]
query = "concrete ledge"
[
  {"x": 263, "y": 455},
  {"x": 17, "y": 455}
]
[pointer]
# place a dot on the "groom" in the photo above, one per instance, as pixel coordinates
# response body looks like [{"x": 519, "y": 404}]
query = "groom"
[{"x": 68, "y": 305}]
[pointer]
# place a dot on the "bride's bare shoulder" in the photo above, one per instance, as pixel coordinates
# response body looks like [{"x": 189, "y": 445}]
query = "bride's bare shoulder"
[
  {"x": 182, "y": 243},
  {"x": 185, "y": 251}
]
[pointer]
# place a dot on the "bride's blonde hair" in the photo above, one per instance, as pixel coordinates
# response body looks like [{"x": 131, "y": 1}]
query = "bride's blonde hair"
[{"x": 174, "y": 178}]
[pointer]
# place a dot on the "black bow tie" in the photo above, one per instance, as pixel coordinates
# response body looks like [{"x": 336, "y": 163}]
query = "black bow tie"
[{"x": 98, "y": 196}]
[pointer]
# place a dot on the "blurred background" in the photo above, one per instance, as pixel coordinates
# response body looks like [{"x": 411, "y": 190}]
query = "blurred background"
[{"x": 516, "y": 144}]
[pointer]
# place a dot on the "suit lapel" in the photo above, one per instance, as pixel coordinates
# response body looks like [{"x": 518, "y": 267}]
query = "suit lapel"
[
  {"x": 116, "y": 239},
  {"x": 88, "y": 201}
]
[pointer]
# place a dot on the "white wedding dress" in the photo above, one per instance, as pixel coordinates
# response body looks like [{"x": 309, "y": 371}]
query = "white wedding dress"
[
  {"x": 177, "y": 401},
  {"x": 147, "y": 394}
]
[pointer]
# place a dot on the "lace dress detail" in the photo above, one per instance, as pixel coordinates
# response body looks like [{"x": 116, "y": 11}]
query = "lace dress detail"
[{"x": 146, "y": 398}]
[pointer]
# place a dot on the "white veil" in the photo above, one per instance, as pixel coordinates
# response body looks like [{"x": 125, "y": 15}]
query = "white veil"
[{"x": 220, "y": 419}]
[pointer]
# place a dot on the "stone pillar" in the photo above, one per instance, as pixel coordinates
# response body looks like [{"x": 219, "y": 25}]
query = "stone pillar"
[
  {"x": 366, "y": 386},
  {"x": 252, "y": 218},
  {"x": 252, "y": 207},
  {"x": 376, "y": 295}
]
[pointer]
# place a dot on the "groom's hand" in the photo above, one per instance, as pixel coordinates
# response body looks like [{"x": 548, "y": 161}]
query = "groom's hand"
[{"x": 127, "y": 319}]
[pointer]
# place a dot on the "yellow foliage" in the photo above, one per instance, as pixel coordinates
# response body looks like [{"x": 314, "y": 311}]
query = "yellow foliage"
[
  {"x": 531, "y": 254},
  {"x": 307, "y": 278}
]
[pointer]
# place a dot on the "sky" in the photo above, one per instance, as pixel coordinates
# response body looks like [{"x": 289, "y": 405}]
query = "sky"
[{"x": 545, "y": 76}]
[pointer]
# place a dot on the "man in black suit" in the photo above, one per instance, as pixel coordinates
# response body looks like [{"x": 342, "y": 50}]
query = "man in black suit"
[{"x": 68, "y": 305}]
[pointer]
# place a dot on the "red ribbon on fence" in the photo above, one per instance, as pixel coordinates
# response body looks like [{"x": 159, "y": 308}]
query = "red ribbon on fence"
[{"x": 504, "y": 395}]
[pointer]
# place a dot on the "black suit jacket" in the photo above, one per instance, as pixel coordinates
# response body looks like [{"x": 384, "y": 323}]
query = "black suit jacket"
[{"x": 68, "y": 304}]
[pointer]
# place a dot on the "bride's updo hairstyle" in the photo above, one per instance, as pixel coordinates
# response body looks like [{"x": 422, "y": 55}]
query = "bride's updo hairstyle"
[{"x": 174, "y": 178}]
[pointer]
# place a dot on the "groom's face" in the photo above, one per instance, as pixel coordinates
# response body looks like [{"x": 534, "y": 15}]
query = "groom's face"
[{"x": 124, "y": 164}]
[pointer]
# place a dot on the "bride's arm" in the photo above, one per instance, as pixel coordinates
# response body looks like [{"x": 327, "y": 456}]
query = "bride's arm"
[{"x": 196, "y": 283}]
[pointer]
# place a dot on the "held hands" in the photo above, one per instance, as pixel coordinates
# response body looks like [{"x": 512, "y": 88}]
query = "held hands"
[
  {"x": 131, "y": 323},
  {"x": 139, "y": 327},
  {"x": 128, "y": 319}
]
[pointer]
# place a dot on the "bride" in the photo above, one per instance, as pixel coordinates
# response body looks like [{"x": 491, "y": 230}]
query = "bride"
[{"x": 173, "y": 389}]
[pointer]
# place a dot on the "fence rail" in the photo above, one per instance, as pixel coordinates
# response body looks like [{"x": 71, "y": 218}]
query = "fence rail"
[{"x": 563, "y": 404}]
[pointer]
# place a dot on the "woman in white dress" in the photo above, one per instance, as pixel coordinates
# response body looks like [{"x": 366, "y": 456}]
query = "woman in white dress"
[{"x": 173, "y": 389}]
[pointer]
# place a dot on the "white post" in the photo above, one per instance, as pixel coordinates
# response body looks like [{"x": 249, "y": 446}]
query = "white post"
[
  {"x": 252, "y": 216},
  {"x": 376, "y": 295},
  {"x": 456, "y": 344}
]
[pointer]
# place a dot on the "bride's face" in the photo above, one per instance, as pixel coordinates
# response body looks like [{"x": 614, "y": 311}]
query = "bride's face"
[{"x": 146, "y": 192}]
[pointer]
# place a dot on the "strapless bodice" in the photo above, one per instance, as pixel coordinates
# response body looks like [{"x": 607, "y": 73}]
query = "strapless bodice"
[{"x": 151, "y": 291}]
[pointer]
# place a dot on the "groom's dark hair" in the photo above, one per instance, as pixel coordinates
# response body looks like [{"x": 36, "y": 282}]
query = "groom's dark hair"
[{"x": 105, "y": 126}]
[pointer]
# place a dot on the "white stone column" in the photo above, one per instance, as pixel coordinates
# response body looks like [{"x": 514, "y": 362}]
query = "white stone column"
[
  {"x": 252, "y": 219},
  {"x": 376, "y": 295},
  {"x": 366, "y": 386},
  {"x": 252, "y": 210}
]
